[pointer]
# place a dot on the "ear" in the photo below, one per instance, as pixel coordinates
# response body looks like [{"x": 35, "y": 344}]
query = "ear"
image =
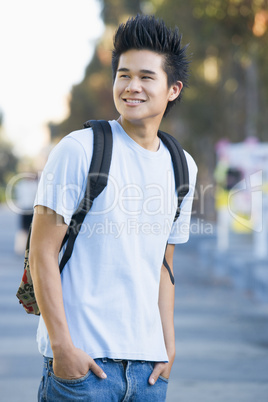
[{"x": 175, "y": 90}]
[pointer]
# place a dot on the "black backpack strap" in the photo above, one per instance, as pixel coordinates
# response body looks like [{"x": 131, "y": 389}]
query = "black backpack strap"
[
  {"x": 180, "y": 167},
  {"x": 181, "y": 174},
  {"x": 165, "y": 263},
  {"x": 96, "y": 181}
]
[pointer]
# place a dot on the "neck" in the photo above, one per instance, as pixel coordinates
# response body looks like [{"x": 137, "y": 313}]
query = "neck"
[{"x": 144, "y": 135}]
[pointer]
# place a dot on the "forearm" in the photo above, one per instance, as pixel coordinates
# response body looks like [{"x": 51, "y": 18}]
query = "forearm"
[
  {"x": 48, "y": 292},
  {"x": 166, "y": 308},
  {"x": 166, "y": 304}
]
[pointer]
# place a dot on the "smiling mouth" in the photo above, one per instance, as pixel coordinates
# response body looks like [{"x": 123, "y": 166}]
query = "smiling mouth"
[{"x": 133, "y": 101}]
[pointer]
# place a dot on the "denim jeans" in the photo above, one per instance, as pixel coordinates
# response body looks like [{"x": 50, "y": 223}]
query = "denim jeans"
[{"x": 127, "y": 381}]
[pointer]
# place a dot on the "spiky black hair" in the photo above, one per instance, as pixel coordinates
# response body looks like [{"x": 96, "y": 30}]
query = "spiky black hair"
[{"x": 150, "y": 33}]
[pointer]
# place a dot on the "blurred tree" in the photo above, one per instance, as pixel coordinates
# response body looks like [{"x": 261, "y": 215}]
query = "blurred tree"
[{"x": 8, "y": 161}]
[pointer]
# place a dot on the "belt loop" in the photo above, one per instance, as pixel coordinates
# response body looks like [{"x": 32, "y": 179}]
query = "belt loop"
[
  {"x": 104, "y": 360},
  {"x": 46, "y": 362}
]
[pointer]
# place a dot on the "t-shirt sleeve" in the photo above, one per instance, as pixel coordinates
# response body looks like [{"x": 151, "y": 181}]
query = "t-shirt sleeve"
[
  {"x": 181, "y": 228},
  {"x": 63, "y": 181}
]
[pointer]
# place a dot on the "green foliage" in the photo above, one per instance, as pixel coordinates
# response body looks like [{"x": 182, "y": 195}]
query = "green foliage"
[
  {"x": 8, "y": 165},
  {"x": 8, "y": 162},
  {"x": 113, "y": 10}
]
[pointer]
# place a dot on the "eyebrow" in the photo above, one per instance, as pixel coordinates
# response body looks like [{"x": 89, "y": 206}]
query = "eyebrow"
[{"x": 123, "y": 69}]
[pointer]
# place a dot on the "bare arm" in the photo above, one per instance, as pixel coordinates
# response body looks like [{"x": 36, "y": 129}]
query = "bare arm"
[
  {"x": 48, "y": 232},
  {"x": 166, "y": 307}
]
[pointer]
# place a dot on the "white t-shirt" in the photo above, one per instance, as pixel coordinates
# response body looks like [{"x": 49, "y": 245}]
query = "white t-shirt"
[{"x": 111, "y": 283}]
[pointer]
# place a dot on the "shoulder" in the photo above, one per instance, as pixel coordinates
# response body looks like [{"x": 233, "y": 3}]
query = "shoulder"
[
  {"x": 166, "y": 138},
  {"x": 191, "y": 163},
  {"x": 78, "y": 140},
  {"x": 76, "y": 145},
  {"x": 192, "y": 169}
]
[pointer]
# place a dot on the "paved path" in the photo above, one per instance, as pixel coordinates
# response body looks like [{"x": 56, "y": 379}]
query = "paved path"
[
  {"x": 221, "y": 334},
  {"x": 20, "y": 362}
]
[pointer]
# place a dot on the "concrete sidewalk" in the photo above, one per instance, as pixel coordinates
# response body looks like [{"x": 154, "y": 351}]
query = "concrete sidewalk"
[
  {"x": 20, "y": 362},
  {"x": 221, "y": 333},
  {"x": 221, "y": 336}
]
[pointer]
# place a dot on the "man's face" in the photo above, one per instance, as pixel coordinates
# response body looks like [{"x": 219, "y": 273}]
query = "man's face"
[{"x": 140, "y": 90}]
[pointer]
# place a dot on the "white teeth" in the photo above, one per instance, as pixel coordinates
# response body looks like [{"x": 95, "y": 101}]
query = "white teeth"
[{"x": 133, "y": 101}]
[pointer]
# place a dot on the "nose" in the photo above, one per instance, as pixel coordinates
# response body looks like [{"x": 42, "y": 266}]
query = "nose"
[{"x": 133, "y": 86}]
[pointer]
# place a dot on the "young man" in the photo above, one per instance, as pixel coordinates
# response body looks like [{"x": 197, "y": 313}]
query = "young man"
[{"x": 106, "y": 328}]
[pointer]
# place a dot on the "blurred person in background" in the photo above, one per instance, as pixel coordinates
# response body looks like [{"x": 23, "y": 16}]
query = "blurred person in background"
[
  {"x": 106, "y": 329},
  {"x": 25, "y": 191}
]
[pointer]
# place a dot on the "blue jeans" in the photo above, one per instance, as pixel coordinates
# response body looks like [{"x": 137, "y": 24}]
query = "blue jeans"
[{"x": 127, "y": 381}]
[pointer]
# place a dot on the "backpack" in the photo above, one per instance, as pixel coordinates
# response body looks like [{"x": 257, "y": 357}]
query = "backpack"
[{"x": 96, "y": 182}]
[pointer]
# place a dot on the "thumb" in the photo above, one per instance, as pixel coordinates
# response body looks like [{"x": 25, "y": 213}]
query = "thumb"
[
  {"x": 97, "y": 370},
  {"x": 158, "y": 368}
]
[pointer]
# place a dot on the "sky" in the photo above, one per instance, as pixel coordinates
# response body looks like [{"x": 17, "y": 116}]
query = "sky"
[{"x": 45, "y": 46}]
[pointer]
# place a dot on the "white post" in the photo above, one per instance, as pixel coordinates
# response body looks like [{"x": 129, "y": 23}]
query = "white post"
[
  {"x": 259, "y": 216},
  {"x": 223, "y": 219}
]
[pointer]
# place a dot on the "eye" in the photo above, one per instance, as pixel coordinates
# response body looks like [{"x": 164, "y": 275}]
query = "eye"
[
  {"x": 124, "y": 76},
  {"x": 146, "y": 77}
]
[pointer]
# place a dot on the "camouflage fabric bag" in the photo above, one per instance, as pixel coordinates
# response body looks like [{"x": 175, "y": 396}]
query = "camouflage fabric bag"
[{"x": 25, "y": 293}]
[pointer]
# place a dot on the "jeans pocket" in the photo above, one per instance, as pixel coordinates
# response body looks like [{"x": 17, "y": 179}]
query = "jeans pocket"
[
  {"x": 163, "y": 379},
  {"x": 71, "y": 382}
]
